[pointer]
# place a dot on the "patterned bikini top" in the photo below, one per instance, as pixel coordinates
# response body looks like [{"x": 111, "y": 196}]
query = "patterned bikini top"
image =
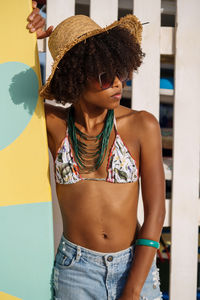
[{"x": 121, "y": 167}]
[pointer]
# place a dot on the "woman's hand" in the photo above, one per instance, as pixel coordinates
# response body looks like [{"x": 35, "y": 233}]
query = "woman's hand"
[{"x": 36, "y": 23}]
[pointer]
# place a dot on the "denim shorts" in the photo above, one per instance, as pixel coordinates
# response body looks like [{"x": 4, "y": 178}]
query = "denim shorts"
[{"x": 84, "y": 274}]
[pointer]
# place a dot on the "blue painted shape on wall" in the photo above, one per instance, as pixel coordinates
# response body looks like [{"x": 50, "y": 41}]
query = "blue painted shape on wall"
[
  {"x": 26, "y": 252},
  {"x": 18, "y": 97}
]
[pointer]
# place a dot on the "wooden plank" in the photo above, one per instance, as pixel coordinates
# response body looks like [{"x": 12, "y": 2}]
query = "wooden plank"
[
  {"x": 124, "y": 4},
  {"x": 167, "y": 164},
  {"x": 145, "y": 92},
  {"x": 168, "y": 204},
  {"x": 167, "y": 221},
  {"x": 41, "y": 45},
  {"x": 199, "y": 212},
  {"x": 166, "y": 92},
  {"x": 56, "y": 12},
  {"x": 167, "y": 40},
  {"x": 168, "y": 7},
  {"x": 104, "y": 12},
  {"x": 183, "y": 279},
  {"x": 146, "y": 83}
]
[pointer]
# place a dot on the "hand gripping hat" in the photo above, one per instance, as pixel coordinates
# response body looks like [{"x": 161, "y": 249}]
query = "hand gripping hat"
[{"x": 77, "y": 29}]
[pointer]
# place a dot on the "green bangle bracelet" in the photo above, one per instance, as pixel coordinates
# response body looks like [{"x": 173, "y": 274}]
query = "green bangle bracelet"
[{"x": 145, "y": 242}]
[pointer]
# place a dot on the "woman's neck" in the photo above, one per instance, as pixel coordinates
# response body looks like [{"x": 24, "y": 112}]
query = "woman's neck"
[{"x": 89, "y": 118}]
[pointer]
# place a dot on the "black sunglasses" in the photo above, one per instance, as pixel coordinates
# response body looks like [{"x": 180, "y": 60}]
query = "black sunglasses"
[{"x": 106, "y": 81}]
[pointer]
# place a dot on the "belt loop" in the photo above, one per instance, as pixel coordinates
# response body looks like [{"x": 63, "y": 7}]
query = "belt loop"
[{"x": 78, "y": 253}]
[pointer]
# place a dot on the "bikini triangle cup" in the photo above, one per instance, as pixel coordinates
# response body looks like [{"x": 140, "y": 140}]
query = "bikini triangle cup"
[{"x": 121, "y": 167}]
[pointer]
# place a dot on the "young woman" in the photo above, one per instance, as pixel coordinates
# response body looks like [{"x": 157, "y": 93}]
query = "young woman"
[{"x": 101, "y": 149}]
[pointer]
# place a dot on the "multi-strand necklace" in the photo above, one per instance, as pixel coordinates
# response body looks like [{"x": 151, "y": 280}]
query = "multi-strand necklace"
[{"x": 90, "y": 151}]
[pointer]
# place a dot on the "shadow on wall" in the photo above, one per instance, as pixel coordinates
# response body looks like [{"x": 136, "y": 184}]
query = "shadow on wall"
[{"x": 24, "y": 90}]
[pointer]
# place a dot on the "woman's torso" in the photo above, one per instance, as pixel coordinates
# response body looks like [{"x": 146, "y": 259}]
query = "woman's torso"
[{"x": 99, "y": 215}]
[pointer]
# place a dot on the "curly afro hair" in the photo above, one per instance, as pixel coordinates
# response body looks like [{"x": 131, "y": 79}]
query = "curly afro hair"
[{"x": 113, "y": 52}]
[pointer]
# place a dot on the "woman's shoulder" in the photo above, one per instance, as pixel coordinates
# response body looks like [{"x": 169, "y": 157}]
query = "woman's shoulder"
[
  {"x": 142, "y": 122},
  {"x": 56, "y": 117},
  {"x": 141, "y": 117}
]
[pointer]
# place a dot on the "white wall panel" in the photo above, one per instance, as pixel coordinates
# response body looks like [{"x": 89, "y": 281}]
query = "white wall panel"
[
  {"x": 145, "y": 91},
  {"x": 186, "y": 153},
  {"x": 104, "y": 12},
  {"x": 57, "y": 11}
]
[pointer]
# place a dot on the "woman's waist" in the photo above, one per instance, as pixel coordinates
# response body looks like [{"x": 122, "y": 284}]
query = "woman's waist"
[
  {"x": 102, "y": 244},
  {"x": 98, "y": 219},
  {"x": 67, "y": 245},
  {"x": 104, "y": 236}
]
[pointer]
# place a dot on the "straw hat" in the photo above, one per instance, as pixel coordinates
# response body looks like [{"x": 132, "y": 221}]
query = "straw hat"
[{"x": 77, "y": 29}]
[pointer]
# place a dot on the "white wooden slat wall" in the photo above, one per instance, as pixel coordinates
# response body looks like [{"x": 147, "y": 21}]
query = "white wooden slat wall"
[
  {"x": 57, "y": 11},
  {"x": 146, "y": 84},
  {"x": 104, "y": 12},
  {"x": 186, "y": 153}
]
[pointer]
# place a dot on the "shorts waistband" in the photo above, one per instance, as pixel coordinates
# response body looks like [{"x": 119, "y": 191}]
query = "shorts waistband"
[{"x": 100, "y": 257}]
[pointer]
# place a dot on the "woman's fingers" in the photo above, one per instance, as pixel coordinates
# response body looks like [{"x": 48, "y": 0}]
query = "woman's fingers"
[
  {"x": 34, "y": 13},
  {"x": 36, "y": 23},
  {"x": 41, "y": 34},
  {"x": 34, "y": 4}
]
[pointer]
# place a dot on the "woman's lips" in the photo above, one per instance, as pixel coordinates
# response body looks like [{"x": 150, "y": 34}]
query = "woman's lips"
[{"x": 117, "y": 96}]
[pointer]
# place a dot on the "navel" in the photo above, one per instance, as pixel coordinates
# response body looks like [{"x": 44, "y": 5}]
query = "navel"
[{"x": 105, "y": 236}]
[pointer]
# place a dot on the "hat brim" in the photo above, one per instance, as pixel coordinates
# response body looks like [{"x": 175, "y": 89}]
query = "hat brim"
[{"x": 129, "y": 22}]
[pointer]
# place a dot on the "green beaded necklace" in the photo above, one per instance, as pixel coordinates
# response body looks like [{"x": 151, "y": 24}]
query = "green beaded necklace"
[{"x": 90, "y": 151}]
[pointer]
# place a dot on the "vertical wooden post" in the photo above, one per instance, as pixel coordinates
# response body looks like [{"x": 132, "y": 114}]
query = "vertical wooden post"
[
  {"x": 183, "y": 279},
  {"x": 57, "y": 11},
  {"x": 104, "y": 12},
  {"x": 146, "y": 84}
]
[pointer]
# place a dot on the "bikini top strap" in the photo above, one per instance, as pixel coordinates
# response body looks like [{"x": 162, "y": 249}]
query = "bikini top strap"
[
  {"x": 115, "y": 123},
  {"x": 67, "y": 118}
]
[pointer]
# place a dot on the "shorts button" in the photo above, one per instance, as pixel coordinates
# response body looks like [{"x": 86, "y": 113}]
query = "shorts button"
[{"x": 110, "y": 258}]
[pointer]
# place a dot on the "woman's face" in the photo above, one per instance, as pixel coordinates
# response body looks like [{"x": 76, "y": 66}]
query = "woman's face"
[{"x": 108, "y": 98}]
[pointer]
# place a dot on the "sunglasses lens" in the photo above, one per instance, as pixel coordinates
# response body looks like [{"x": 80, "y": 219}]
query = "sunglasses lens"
[
  {"x": 105, "y": 81},
  {"x": 123, "y": 77}
]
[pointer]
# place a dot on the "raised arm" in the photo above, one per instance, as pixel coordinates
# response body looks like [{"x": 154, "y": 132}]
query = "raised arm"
[
  {"x": 153, "y": 193},
  {"x": 36, "y": 23}
]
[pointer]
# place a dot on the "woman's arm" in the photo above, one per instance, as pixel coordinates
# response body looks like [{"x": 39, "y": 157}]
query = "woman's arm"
[
  {"x": 56, "y": 126},
  {"x": 153, "y": 193}
]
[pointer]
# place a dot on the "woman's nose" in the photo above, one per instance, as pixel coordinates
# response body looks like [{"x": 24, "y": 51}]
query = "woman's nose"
[{"x": 117, "y": 82}]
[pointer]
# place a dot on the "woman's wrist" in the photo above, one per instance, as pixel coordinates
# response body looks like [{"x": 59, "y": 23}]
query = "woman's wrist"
[
  {"x": 130, "y": 295},
  {"x": 131, "y": 292}
]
